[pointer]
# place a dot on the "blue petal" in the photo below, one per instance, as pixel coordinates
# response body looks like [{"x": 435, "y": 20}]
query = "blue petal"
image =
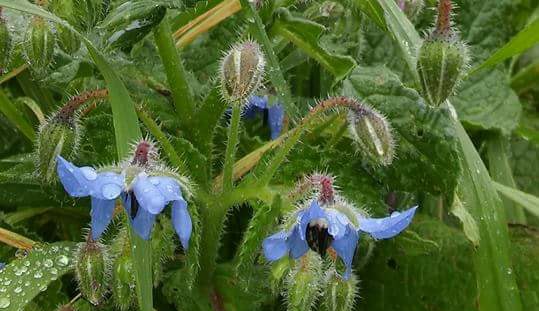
[
  {"x": 275, "y": 120},
  {"x": 169, "y": 187},
  {"x": 384, "y": 228},
  {"x": 182, "y": 221},
  {"x": 345, "y": 248},
  {"x": 258, "y": 101},
  {"x": 107, "y": 185},
  {"x": 275, "y": 246},
  {"x": 143, "y": 223},
  {"x": 312, "y": 213},
  {"x": 148, "y": 196},
  {"x": 72, "y": 178},
  {"x": 337, "y": 223},
  {"x": 102, "y": 211},
  {"x": 297, "y": 245}
]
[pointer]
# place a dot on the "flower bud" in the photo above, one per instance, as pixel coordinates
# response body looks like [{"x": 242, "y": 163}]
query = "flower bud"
[
  {"x": 304, "y": 283},
  {"x": 372, "y": 134},
  {"x": 242, "y": 69},
  {"x": 38, "y": 45},
  {"x": 442, "y": 59},
  {"x": 5, "y": 45},
  {"x": 339, "y": 295},
  {"x": 59, "y": 135},
  {"x": 123, "y": 282},
  {"x": 92, "y": 269},
  {"x": 67, "y": 40}
]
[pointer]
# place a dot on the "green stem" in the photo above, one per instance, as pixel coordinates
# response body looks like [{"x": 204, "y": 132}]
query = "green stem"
[
  {"x": 176, "y": 74},
  {"x": 501, "y": 172},
  {"x": 141, "y": 251},
  {"x": 231, "y": 146}
]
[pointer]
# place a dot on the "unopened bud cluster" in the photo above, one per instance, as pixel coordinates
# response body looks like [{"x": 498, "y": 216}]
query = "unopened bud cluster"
[
  {"x": 92, "y": 270},
  {"x": 242, "y": 70},
  {"x": 442, "y": 59}
]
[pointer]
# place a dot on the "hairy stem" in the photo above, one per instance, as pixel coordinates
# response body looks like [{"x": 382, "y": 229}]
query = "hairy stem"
[{"x": 230, "y": 153}]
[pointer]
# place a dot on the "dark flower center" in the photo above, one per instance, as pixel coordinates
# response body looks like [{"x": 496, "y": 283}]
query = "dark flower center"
[
  {"x": 318, "y": 238},
  {"x": 141, "y": 153},
  {"x": 134, "y": 205}
]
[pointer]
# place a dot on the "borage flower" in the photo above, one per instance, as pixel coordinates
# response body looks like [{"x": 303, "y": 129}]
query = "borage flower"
[
  {"x": 337, "y": 226},
  {"x": 144, "y": 185},
  {"x": 275, "y": 113}
]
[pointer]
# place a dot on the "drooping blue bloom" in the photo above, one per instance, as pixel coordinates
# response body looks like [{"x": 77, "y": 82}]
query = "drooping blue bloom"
[
  {"x": 144, "y": 198},
  {"x": 319, "y": 228},
  {"x": 259, "y": 104}
]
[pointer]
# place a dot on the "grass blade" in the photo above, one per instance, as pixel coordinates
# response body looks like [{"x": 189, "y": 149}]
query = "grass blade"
[
  {"x": 15, "y": 117},
  {"x": 528, "y": 201}
]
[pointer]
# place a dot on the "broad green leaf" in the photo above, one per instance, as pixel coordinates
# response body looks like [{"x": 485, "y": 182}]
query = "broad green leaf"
[
  {"x": 522, "y": 41},
  {"x": 24, "y": 278},
  {"x": 16, "y": 117},
  {"x": 427, "y": 154},
  {"x": 497, "y": 287},
  {"x": 305, "y": 34},
  {"x": 500, "y": 171},
  {"x": 526, "y": 200}
]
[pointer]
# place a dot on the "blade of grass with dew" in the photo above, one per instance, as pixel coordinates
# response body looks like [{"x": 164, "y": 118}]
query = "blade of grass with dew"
[
  {"x": 15, "y": 117},
  {"x": 526, "y": 200},
  {"x": 522, "y": 41},
  {"x": 500, "y": 171},
  {"x": 126, "y": 130}
]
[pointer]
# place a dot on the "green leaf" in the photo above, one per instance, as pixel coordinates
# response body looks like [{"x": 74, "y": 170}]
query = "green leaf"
[
  {"x": 427, "y": 153},
  {"x": 403, "y": 31},
  {"x": 373, "y": 10},
  {"x": 486, "y": 102},
  {"x": 500, "y": 171},
  {"x": 305, "y": 34},
  {"x": 24, "y": 278},
  {"x": 526, "y": 200},
  {"x": 12, "y": 114},
  {"x": 522, "y": 41},
  {"x": 497, "y": 287},
  {"x": 469, "y": 225},
  {"x": 176, "y": 74}
]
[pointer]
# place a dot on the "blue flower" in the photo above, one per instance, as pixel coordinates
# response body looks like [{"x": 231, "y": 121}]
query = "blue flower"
[
  {"x": 259, "y": 104},
  {"x": 144, "y": 198},
  {"x": 2, "y": 265},
  {"x": 319, "y": 228}
]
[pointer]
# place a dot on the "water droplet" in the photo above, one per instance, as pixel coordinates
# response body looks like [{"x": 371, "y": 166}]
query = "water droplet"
[
  {"x": 89, "y": 173},
  {"x": 62, "y": 260},
  {"x": 27, "y": 263},
  {"x": 54, "y": 249},
  {"x": 111, "y": 191},
  {"x": 43, "y": 288},
  {"x": 17, "y": 290},
  {"x": 48, "y": 263},
  {"x": 7, "y": 282},
  {"x": 38, "y": 274},
  {"x": 54, "y": 271},
  {"x": 24, "y": 269},
  {"x": 154, "y": 181},
  {"x": 4, "y": 303}
]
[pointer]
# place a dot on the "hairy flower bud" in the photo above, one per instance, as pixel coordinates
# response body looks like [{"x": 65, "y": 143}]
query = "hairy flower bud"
[
  {"x": 59, "y": 135},
  {"x": 242, "y": 69},
  {"x": 339, "y": 294},
  {"x": 123, "y": 282},
  {"x": 304, "y": 282},
  {"x": 5, "y": 45},
  {"x": 442, "y": 59},
  {"x": 38, "y": 45},
  {"x": 67, "y": 40},
  {"x": 372, "y": 134},
  {"x": 92, "y": 269}
]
